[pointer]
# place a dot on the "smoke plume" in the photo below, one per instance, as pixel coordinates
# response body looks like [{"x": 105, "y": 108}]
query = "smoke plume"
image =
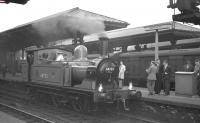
[{"x": 65, "y": 26}]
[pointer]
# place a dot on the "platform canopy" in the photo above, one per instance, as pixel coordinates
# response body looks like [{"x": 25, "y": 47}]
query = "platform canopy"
[
  {"x": 169, "y": 31},
  {"x": 57, "y": 27}
]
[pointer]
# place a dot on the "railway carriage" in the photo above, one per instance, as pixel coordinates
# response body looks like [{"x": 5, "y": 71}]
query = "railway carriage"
[{"x": 139, "y": 61}]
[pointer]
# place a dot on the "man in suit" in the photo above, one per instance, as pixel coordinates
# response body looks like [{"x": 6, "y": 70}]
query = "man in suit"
[
  {"x": 188, "y": 67},
  {"x": 159, "y": 81},
  {"x": 166, "y": 77}
]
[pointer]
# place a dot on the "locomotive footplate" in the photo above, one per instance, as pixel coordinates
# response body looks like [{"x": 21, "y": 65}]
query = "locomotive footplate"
[
  {"x": 117, "y": 94},
  {"x": 126, "y": 94}
]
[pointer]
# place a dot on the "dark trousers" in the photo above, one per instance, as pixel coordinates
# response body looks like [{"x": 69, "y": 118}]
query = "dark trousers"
[
  {"x": 166, "y": 85},
  {"x": 4, "y": 74},
  {"x": 158, "y": 84},
  {"x": 121, "y": 83},
  {"x": 198, "y": 87}
]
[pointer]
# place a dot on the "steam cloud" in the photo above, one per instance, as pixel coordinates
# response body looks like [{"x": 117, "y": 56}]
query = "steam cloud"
[{"x": 65, "y": 26}]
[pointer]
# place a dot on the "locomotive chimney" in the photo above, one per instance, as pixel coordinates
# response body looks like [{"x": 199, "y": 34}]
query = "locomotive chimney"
[
  {"x": 77, "y": 38},
  {"x": 80, "y": 51}
]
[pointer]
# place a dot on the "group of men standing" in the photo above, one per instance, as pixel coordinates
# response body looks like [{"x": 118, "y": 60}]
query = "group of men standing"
[
  {"x": 158, "y": 78},
  {"x": 163, "y": 77}
]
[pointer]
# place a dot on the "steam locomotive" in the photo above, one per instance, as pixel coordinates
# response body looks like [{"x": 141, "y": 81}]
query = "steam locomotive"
[{"x": 71, "y": 78}]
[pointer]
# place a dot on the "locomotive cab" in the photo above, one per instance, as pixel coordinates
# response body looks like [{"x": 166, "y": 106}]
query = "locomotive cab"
[{"x": 50, "y": 67}]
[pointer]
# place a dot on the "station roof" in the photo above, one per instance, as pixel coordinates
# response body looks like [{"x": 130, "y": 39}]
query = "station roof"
[
  {"x": 28, "y": 34},
  {"x": 168, "y": 31}
]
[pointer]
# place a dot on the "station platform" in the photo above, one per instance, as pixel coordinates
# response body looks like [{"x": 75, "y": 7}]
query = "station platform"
[
  {"x": 172, "y": 99},
  {"x": 5, "y": 118}
]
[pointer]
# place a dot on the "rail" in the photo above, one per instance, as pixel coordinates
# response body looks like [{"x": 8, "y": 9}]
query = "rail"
[{"x": 35, "y": 117}]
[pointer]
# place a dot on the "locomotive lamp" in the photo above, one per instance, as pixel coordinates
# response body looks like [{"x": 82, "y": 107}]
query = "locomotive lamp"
[
  {"x": 100, "y": 89},
  {"x": 130, "y": 87}
]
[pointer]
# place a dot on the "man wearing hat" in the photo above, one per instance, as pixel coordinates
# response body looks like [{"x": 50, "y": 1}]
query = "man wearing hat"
[
  {"x": 159, "y": 82},
  {"x": 151, "y": 78}
]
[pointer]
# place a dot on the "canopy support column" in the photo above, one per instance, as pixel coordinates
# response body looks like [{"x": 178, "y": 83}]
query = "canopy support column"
[{"x": 156, "y": 44}]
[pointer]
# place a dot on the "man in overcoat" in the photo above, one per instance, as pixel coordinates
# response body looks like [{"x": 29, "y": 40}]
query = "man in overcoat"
[
  {"x": 166, "y": 77},
  {"x": 122, "y": 69},
  {"x": 152, "y": 70}
]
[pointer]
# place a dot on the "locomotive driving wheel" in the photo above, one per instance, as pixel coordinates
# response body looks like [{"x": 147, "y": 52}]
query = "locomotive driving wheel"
[
  {"x": 81, "y": 105},
  {"x": 56, "y": 100}
]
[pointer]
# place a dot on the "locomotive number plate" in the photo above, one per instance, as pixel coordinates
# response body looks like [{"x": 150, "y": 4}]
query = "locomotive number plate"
[{"x": 44, "y": 75}]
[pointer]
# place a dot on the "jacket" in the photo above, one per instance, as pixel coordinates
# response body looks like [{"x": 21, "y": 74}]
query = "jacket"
[
  {"x": 122, "y": 69},
  {"x": 196, "y": 71},
  {"x": 167, "y": 72},
  {"x": 188, "y": 68},
  {"x": 152, "y": 70}
]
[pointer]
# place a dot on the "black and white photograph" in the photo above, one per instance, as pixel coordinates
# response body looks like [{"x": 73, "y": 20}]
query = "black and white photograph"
[{"x": 100, "y": 61}]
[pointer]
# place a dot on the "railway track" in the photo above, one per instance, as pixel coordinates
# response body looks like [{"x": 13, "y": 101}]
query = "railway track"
[
  {"x": 23, "y": 115},
  {"x": 52, "y": 114},
  {"x": 49, "y": 114},
  {"x": 139, "y": 118},
  {"x": 31, "y": 113}
]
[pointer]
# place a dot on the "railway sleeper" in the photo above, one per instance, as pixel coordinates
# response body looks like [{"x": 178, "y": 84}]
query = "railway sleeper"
[{"x": 122, "y": 104}]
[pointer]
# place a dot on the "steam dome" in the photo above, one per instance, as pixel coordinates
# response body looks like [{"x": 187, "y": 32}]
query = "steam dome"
[{"x": 80, "y": 53}]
